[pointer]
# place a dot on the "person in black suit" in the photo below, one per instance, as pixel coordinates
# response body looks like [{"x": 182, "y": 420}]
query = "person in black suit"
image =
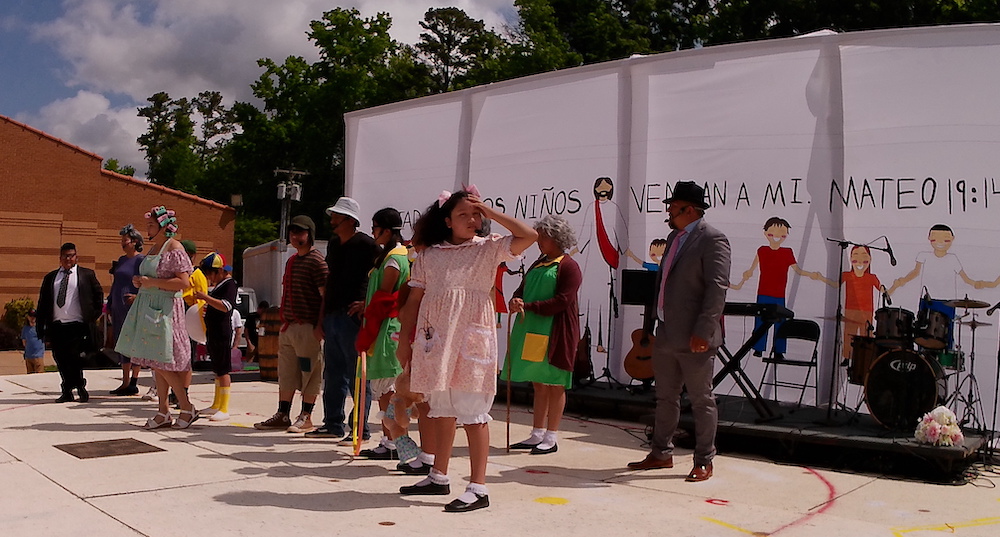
[{"x": 69, "y": 304}]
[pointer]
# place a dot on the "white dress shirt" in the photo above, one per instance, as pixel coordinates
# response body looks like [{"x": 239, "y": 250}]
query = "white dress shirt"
[{"x": 70, "y": 312}]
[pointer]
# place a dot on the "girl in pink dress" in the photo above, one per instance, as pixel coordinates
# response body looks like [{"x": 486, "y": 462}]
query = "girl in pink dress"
[{"x": 450, "y": 316}]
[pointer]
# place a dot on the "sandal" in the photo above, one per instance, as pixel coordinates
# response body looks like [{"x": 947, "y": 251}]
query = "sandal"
[
  {"x": 151, "y": 423},
  {"x": 184, "y": 424}
]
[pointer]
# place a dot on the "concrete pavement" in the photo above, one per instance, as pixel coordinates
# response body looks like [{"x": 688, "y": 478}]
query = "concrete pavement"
[{"x": 226, "y": 478}]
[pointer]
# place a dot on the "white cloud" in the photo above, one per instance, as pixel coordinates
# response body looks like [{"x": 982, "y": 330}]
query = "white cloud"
[
  {"x": 132, "y": 49},
  {"x": 88, "y": 120}
]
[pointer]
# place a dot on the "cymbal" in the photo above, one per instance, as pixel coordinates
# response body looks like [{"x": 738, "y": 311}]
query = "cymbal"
[
  {"x": 967, "y": 303},
  {"x": 973, "y": 324}
]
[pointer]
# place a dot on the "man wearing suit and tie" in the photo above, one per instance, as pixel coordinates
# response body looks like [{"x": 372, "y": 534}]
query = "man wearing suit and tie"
[
  {"x": 690, "y": 295},
  {"x": 69, "y": 304}
]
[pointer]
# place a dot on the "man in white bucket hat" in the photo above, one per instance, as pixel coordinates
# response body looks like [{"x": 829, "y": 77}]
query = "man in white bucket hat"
[{"x": 350, "y": 255}]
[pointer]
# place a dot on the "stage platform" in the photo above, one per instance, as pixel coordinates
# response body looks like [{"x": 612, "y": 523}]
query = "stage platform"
[{"x": 803, "y": 435}]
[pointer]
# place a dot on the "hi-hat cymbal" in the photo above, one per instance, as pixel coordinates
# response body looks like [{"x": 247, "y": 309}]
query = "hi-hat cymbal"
[
  {"x": 966, "y": 303},
  {"x": 974, "y": 324}
]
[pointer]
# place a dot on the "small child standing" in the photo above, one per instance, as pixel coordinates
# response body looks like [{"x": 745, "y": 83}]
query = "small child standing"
[
  {"x": 34, "y": 348},
  {"x": 450, "y": 315}
]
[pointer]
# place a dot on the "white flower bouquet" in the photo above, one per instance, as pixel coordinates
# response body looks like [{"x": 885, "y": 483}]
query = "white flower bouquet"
[{"x": 940, "y": 428}]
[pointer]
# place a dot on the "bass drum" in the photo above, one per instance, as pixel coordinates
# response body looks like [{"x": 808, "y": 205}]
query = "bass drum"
[{"x": 901, "y": 387}]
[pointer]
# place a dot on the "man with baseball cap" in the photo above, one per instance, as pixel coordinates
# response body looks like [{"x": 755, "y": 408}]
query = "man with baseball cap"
[
  {"x": 350, "y": 255},
  {"x": 300, "y": 366}
]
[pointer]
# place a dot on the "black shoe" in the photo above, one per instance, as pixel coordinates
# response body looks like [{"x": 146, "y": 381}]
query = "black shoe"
[
  {"x": 458, "y": 506},
  {"x": 524, "y": 445},
  {"x": 130, "y": 390},
  {"x": 119, "y": 390},
  {"x": 430, "y": 489},
  {"x": 539, "y": 451},
  {"x": 387, "y": 455},
  {"x": 172, "y": 400},
  {"x": 423, "y": 469},
  {"x": 758, "y": 354},
  {"x": 84, "y": 394},
  {"x": 778, "y": 355},
  {"x": 66, "y": 397},
  {"x": 324, "y": 432}
]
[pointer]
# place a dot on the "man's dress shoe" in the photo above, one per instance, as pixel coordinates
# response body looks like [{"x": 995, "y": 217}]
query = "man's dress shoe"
[
  {"x": 700, "y": 472},
  {"x": 651, "y": 463}
]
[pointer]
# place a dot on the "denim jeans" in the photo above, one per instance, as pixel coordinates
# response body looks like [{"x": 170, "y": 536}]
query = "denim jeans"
[{"x": 340, "y": 361}]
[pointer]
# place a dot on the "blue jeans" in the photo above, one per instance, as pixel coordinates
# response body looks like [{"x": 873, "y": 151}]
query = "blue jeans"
[
  {"x": 340, "y": 362},
  {"x": 779, "y": 345}
]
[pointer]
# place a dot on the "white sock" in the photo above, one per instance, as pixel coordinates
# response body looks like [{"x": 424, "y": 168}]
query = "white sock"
[
  {"x": 472, "y": 492},
  {"x": 548, "y": 440},
  {"x": 386, "y": 445},
  {"x": 416, "y": 463},
  {"x": 437, "y": 477},
  {"x": 426, "y": 458},
  {"x": 536, "y": 436}
]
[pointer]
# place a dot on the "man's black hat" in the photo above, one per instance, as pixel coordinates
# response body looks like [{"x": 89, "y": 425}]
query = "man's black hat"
[{"x": 690, "y": 192}]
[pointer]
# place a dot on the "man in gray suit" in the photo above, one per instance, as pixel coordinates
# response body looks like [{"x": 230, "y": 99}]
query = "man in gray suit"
[{"x": 690, "y": 294}]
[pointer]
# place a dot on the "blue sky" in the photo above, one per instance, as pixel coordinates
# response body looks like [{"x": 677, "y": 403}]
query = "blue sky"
[{"x": 79, "y": 69}]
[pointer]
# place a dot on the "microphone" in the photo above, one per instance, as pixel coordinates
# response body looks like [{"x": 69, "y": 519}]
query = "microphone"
[
  {"x": 885, "y": 296},
  {"x": 888, "y": 249}
]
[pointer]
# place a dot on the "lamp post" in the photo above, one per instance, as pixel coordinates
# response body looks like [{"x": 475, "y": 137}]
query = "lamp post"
[{"x": 289, "y": 190}]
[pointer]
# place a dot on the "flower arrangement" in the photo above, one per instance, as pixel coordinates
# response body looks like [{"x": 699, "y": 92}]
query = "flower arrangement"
[{"x": 940, "y": 428}]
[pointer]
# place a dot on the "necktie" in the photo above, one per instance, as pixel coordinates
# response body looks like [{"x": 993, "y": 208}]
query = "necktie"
[
  {"x": 668, "y": 262},
  {"x": 61, "y": 297}
]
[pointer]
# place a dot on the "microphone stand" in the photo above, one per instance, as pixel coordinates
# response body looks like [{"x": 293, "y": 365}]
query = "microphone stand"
[
  {"x": 839, "y": 319},
  {"x": 996, "y": 393}
]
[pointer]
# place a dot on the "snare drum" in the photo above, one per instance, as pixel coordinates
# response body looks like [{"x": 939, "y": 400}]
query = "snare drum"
[
  {"x": 954, "y": 359},
  {"x": 901, "y": 387},
  {"x": 894, "y": 327},
  {"x": 931, "y": 331}
]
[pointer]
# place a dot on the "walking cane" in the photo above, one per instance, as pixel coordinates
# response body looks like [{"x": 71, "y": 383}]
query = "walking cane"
[
  {"x": 360, "y": 379},
  {"x": 506, "y": 365}
]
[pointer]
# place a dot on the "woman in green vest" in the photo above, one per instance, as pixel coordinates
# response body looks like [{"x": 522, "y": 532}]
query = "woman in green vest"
[{"x": 546, "y": 332}]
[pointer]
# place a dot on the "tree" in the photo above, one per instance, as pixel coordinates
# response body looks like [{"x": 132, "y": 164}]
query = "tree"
[
  {"x": 456, "y": 48},
  {"x": 170, "y": 143},
  {"x": 112, "y": 165}
]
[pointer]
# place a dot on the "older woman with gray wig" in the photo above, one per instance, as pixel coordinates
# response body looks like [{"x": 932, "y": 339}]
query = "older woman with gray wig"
[
  {"x": 120, "y": 300},
  {"x": 546, "y": 331}
]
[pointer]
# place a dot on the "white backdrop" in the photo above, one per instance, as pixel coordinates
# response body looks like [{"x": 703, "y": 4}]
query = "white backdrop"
[{"x": 850, "y": 136}]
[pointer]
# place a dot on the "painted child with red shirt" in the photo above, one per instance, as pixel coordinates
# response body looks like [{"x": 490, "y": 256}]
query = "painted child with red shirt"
[{"x": 774, "y": 262}]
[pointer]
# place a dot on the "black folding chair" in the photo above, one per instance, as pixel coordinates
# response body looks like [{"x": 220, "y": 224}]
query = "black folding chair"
[{"x": 793, "y": 329}]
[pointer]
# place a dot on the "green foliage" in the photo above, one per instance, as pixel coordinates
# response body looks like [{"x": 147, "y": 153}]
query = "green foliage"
[
  {"x": 16, "y": 311},
  {"x": 113, "y": 165},
  {"x": 250, "y": 231},
  {"x": 455, "y": 46}
]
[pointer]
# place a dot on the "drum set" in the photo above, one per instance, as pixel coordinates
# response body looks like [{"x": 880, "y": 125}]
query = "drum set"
[{"x": 910, "y": 361}]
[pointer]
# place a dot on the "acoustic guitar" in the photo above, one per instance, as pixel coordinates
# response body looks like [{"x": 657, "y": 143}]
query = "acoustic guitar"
[{"x": 639, "y": 360}]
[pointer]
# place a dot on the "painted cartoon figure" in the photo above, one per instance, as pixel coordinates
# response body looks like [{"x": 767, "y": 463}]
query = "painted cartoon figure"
[
  {"x": 607, "y": 222},
  {"x": 860, "y": 286},
  {"x": 939, "y": 272},
  {"x": 657, "y": 247},
  {"x": 774, "y": 261}
]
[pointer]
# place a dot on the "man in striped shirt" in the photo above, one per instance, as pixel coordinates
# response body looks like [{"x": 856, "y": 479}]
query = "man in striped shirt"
[{"x": 300, "y": 362}]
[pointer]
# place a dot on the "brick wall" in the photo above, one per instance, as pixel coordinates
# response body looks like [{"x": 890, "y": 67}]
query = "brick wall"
[{"x": 52, "y": 192}]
